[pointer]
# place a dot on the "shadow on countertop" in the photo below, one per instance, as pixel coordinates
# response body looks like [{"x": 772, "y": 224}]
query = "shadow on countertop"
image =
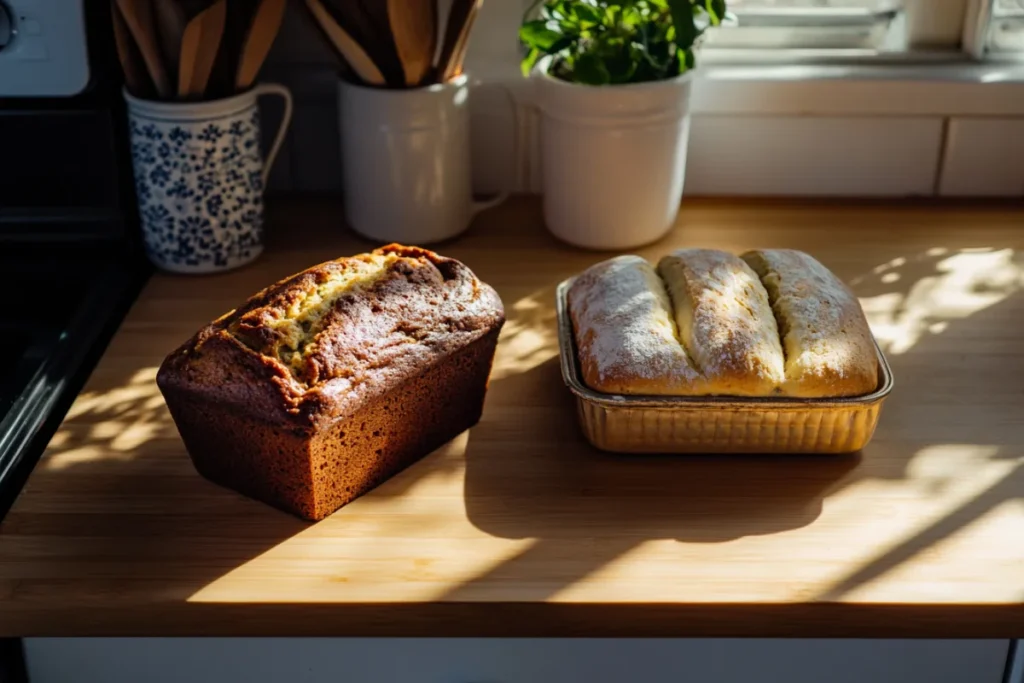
[{"x": 584, "y": 509}]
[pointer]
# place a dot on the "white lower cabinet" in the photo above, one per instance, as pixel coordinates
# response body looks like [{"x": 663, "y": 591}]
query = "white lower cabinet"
[
  {"x": 813, "y": 156},
  {"x": 984, "y": 158},
  {"x": 381, "y": 660}
]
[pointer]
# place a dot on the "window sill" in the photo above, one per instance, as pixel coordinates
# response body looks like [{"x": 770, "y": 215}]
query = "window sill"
[{"x": 936, "y": 86}]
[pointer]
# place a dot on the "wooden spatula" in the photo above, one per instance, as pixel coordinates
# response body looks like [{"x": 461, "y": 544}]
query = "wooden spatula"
[
  {"x": 265, "y": 25},
  {"x": 225, "y": 67},
  {"x": 456, "y": 38},
  {"x": 366, "y": 21},
  {"x": 138, "y": 17},
  {"x": 351, "y": 51},
  {"x": 170, "y": 26},
  {"x": 199, "y": 46},
  {"x": 414, "y": 27},
  {"x": 135, "y": 76}
]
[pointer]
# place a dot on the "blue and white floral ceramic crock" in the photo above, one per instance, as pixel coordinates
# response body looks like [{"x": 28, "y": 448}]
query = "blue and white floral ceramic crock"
[{"x": 199, "y": 178}]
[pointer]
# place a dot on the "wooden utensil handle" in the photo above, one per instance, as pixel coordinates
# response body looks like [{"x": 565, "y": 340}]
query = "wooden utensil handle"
[
  {"x": 349, "y": 50},
  {"x": 139, "y": 19}
]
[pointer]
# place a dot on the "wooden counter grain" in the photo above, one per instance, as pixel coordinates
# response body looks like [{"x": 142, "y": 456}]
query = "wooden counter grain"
[{"x": 518, "y": 527}]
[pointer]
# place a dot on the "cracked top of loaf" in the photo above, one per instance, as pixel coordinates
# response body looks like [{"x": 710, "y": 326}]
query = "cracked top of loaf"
[
  {"x": 706, "y": 322},
  {"x": 320, "y": 343}
]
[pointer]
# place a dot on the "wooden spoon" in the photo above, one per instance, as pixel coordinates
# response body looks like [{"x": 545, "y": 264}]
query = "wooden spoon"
[
  {"x": 262, "y": 31},
  {"x": 350, "y": 50},
  {"x": 366, "y": 21},
  {"x": 225, "y": 68},
  {"x": 199, "y": 46},
  {"x": 414, "y": 27},
  {"x": 170, "y": 26},
  {"x": 456, "y": 38},
  {"x": 138, "y": 16},
  {"x": 135, "y": 76}
]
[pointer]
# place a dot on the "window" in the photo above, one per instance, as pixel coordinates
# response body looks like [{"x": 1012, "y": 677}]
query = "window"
[
  {"x": 1006, "y": 28},
  {"x": 830, "y": 31},
  {"x": 995, "y": 29},
  {"x": 915, "y": 28},
  {"x": 810, "y": 24}
]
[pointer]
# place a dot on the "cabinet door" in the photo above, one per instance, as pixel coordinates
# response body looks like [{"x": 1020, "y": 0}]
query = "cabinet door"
[
  {"x": 813, "y": 156},
  {"x": 984, "y": 158},
  {"x": 333, "y": 660}
]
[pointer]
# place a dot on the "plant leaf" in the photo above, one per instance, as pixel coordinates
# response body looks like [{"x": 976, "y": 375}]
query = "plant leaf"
[
  {"x": 716, "y": 10},
  {"x": 687, "y": 60},
  {"x": 587, "y": 14},
  {"x": 529, "y": 61},
  {"x": 537, "y": 35},
  {"x": 684, "y": 23},
  {"x": 616, "y": 41},
  {"x": 591, "y": 70}
]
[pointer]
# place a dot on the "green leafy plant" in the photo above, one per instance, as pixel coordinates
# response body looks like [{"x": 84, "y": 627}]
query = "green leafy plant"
[{"x": 599, "y": 42}]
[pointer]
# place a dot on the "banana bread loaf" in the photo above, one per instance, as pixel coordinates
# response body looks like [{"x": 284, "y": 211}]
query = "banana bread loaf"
[
  {"x": 325, "y": 384},
  {"x": 772, "y": 322}
]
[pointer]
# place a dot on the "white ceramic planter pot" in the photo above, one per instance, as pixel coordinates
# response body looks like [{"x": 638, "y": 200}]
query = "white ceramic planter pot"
[{"x": 613, "y": 159}]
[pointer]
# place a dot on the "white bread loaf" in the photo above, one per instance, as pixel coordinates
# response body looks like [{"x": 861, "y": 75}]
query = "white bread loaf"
[
  {"x": 826, "y": 338},
  {"x": 625, "y": 332},
  {"x": 772, "y": 322},
  {"x": 725, "y": 322}
]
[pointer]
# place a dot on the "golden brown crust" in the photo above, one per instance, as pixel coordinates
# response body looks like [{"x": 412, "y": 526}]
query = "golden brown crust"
[
  {"x": 418, "y": 308},
  {"x": 725, "y": 322},
  {"x": 711, "y": 323},
  {"x": 625, "y": 331},
  {"x": 828, "y": 344},
  {"x": 322, "y": 346}
]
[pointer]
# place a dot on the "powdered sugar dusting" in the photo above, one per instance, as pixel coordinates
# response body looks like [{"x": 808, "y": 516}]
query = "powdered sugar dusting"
[
  {"x": 824, "y": 331},
  {"x": 624, "y": 322},
  {"x": 724, "y": 318}
]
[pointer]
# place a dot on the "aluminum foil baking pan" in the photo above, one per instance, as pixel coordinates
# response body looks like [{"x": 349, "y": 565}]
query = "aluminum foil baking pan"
[{"x": 684, "y": 424}]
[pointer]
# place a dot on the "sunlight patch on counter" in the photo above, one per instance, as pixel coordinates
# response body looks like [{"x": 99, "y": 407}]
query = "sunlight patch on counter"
[
  {"x": 81, "y": 456},
  {"x": 897, "y": 525},
  {"x": 530, "y": 335},
  {"x": 938, "y": 572},
  {"x": 140, "y": 393},
  {"x": 959, "y": 285},
  {"x": 354, "y": 571}
]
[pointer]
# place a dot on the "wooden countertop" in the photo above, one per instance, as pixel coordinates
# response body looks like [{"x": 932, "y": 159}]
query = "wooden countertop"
[{"x": 518, "y": 527}]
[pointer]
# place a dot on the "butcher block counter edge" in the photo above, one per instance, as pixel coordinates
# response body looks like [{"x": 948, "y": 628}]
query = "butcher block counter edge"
[{"x": 520, "y": 620}]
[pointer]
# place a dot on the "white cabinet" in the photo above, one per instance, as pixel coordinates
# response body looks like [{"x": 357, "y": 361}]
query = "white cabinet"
[
  {"x": 984, "y": 158},
  {"x": 813, "y": 156},
  {"x": 323, "y": 660}
]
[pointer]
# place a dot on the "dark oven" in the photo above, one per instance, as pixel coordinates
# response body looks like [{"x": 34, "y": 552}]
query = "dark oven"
[{"x": 69, "y": 260}]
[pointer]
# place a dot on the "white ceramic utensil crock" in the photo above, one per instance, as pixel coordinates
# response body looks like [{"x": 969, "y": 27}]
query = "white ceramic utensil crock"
[{"x": 406, "y": 162}]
